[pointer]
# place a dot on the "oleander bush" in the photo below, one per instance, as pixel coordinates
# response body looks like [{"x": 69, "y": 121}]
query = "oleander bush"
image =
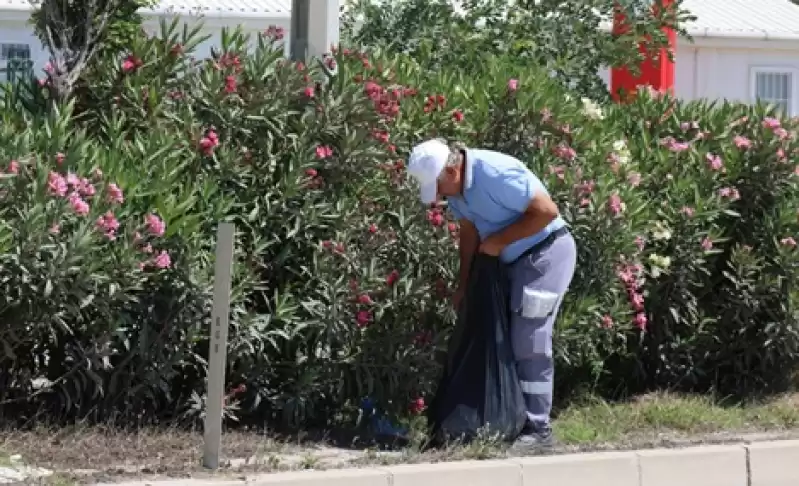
[{"x": 685, "y": 216}]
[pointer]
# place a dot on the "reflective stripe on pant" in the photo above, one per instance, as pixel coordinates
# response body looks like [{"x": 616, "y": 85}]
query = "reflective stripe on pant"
[{"x": 549, "y": 268}]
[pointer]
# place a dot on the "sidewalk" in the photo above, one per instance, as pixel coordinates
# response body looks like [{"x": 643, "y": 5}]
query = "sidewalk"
[{"x": 758, "y": 464}]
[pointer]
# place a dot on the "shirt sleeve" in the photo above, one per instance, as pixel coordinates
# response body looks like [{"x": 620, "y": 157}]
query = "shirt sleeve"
[
  {"x": 457, "y": 211},
  {"x": 516, "y": 189}
]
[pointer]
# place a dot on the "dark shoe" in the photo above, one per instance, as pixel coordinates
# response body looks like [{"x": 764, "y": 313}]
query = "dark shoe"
[{"x": 531, "y": 439}]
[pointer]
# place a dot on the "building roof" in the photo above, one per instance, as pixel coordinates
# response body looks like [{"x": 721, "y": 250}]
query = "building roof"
[
  {"x": 756, "y": 19},
  {"x": 262, "y": 9}
]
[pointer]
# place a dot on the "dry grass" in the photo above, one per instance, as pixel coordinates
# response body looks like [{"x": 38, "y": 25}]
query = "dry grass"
[{"x": 88, "y": 454}]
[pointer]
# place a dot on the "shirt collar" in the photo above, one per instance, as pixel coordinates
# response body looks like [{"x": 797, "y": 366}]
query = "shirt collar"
[{"x": 468, "y": 175}]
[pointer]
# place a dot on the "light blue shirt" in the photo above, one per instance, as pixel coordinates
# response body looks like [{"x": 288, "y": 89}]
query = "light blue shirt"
[{"x": 497, "y": 189}]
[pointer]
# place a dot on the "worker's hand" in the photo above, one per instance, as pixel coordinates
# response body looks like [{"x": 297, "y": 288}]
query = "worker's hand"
[
  {"x": 457, "y": 298},
  {"x": 490, "y": 246}
]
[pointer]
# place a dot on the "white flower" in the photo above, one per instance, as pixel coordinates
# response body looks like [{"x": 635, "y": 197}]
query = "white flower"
[
  {"x": 661, "y": 231},
  {"x": 620, "y": 145},
  {"x": 592, "y": 110},
  {"x": 658, "y": 264}
]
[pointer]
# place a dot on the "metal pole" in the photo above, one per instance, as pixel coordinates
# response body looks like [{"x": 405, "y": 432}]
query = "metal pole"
[{"x": 223, "y": 273}]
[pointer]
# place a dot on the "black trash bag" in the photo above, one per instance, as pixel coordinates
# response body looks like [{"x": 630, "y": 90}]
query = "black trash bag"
[{"x": 480, "y": 393}]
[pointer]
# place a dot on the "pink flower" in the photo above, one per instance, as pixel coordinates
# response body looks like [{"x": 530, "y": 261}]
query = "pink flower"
[
  {"x": 80, "y": 206},
  {"x": 730, "y": 192},
  {"x": 640, "y": 242},
  {"x": 131, "y": 63},
  {"x": 742, "y": 142},
  {"x": 771, "y": 123},
  {"x": 564, "y": 152},
  {"x": 86, "y": 188},
  {"x": 789, "y": 242},
  {"x": 363, "y": 318},
  {"x": 54, "y": 229},
  {"x": 115, "y": 194},
  {"x": 634, "y": 178},
  {"x": 513, "y": 85},
  {"x": 672, "y": 144},
  {"x": 373, "y": 228},
  {"x": 324, "y": 151},
  {"x": 714, "y": 162},
  {"x": 615, "y": 205},
  {"x": 209, "y": 142},
  {"x": 781, "y": 156},
  {"x": 162, "y": 260},
  {"x": 56, "y": 184},
  {"x": 275, "y": 32},
  {"x": 155, "y": 225},
  {"x": 230, "y": 84},
  {"x": 13, "y": 167},
  {"x": 781, "y": 133},
  {"x": 392, "y": 278},
  {"x": 707, "y": 244},
  {"x": 73, "y": 181},
  {"x": 365, "y": 299},
  {"x": 585, "y": 187},
  {"x": 607, "y": 321},
  {"x": 640, "y": 321},
  {"x": 457, "y": 116},
  {"x": 309, "y": 92},
  {"x": 108, "y": 224},
  {"x": 435, "y": 217},
  {"x": 148, "y": 248},
  {"x": 637, "y": 301},
  {"x": 687, "y": 211}
]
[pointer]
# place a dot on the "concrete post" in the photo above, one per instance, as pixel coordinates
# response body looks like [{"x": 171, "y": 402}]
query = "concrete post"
[{"x": 314, "y": 27}]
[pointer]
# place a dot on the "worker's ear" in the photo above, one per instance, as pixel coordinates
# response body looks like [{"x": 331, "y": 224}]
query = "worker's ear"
[{"x": 450, "y": 171}]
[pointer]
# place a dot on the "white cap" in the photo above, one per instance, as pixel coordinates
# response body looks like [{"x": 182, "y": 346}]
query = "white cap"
[{"x": 425, "y": 164}]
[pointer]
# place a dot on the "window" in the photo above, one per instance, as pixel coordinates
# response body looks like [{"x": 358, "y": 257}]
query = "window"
[
  {"x": 15, "y": 61},
  {"x": 776, "y": 87}
]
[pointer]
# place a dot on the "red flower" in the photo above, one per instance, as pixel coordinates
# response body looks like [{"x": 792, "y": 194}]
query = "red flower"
[
  {"x": 363, "y": 318},
  {"x": 373, "y": 228},
  {"x": 131, "y": 63},
  {"x": 457, "y": 116},
  {"x": 311, "y": 172},
  {"x": 435, "y": 217},
  {"x": 417, "y": 406},
  {"x": 230, "y": 84},
  {"x": 392, "y": 278}
]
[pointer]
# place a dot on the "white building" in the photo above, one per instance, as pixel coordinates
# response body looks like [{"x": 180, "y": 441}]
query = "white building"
[
  {"x": 742, "y": 50},
  {"x": 17, "y": 40}
]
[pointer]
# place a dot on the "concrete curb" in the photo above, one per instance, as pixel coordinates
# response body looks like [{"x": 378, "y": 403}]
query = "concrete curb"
[{"x": 757, "y": 464}]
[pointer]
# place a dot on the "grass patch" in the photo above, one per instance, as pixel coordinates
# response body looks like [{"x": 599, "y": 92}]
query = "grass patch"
[
  {"x": 599, "y": 422},
  {"x": 104, "y": 454}
]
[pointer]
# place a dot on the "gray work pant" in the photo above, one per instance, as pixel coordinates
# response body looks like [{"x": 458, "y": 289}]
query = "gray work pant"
[{"x": 549, "y": 267}]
